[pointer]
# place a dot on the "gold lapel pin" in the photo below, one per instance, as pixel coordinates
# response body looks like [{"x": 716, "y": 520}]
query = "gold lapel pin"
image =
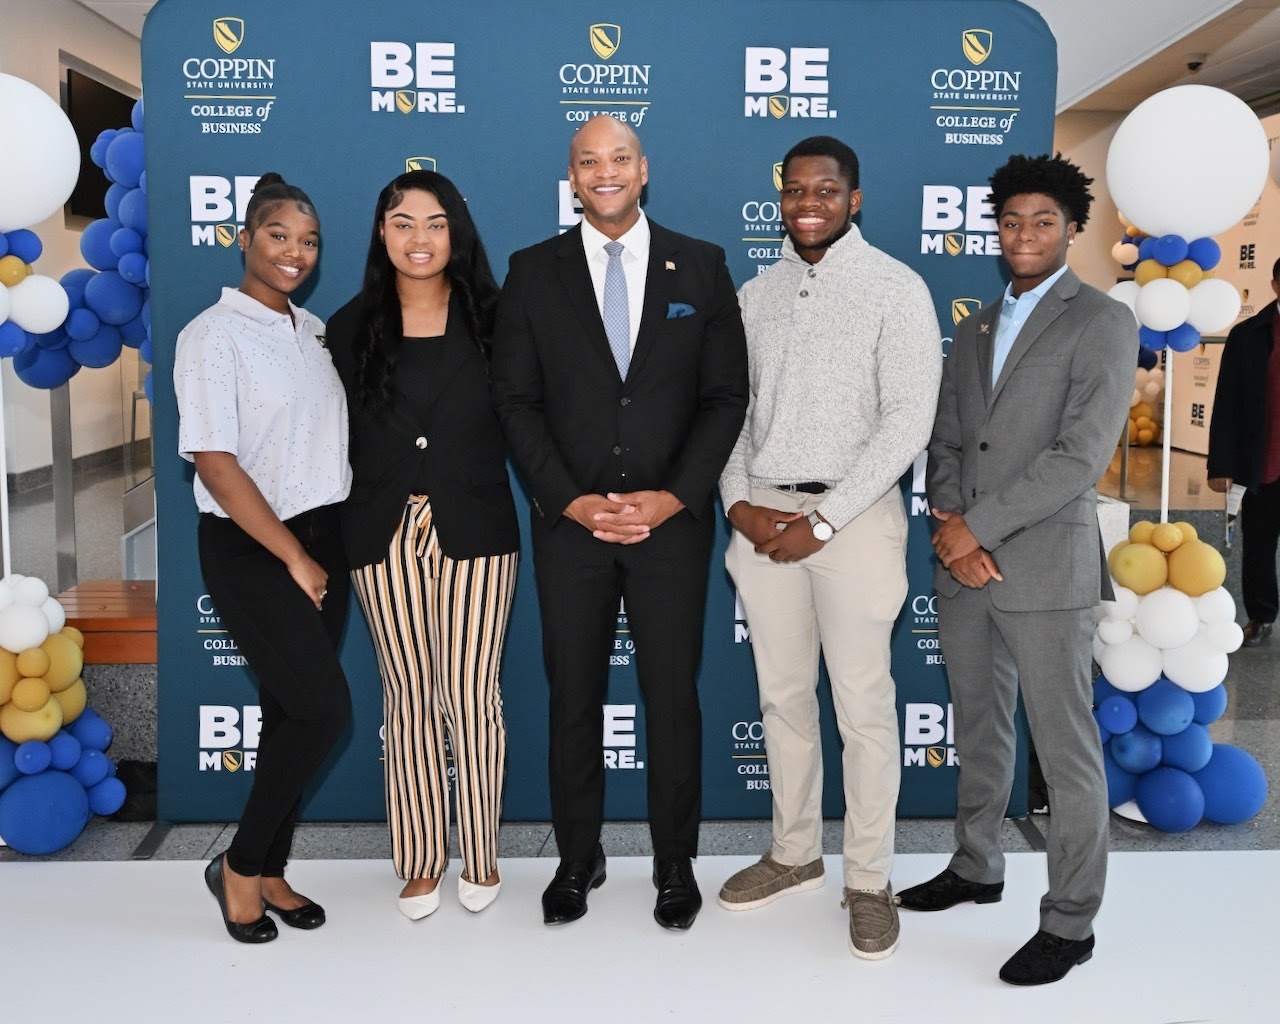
[
  {"x": 984, "y": 328},
  {"x": 670, "y": 265}
]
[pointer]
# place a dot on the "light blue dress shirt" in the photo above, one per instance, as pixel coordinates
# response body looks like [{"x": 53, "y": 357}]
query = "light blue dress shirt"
[{"x": 1013, "y": 314}]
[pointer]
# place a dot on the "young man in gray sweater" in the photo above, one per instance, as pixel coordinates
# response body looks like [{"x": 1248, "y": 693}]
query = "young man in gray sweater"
[{"x": 845, "y": 360}]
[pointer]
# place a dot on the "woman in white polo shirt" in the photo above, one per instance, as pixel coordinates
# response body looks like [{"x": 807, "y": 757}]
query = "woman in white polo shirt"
[{"x": 264, "y": 419}]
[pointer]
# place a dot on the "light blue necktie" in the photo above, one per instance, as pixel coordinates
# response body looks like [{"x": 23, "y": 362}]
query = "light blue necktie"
[{"x": 617, "y": 314}]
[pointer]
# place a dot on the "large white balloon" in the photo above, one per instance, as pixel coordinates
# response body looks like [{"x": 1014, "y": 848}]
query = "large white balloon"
[
  {"x": 1130, "y": 666},
  {"x": 1189, "y": 161},
  {"x": 1198, "y": 665},
  {"x": 1217, "y": 606},
  {"x": 1167, "y": 618},
  {"x": 1215, "y": 304},
  {"x": 1162, "y": 304},
  {"x": 41, "y": 156},
  {"x": 4, "y": 304},
  {"x": 1126, "y": 292},
  {"x": 38, "y": 304}
]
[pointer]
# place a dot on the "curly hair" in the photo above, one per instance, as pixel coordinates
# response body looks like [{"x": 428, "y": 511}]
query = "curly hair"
[
  {"x": 1055, "y": 177},
  {"x": 269, "y": 194},
  {"x": 826, "y": 145},
  {"x": 381, "y": 328}
]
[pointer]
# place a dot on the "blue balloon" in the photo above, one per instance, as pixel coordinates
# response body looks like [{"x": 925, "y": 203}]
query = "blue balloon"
[
  {"x": 91, "y": 730},
  {"x": 13, "y": 339},
  {"x": 1118, "y": 714},
  {"x": 1183, "y": 338},
  {"x": 1103, "y": 734},
  {"x": 1234, "y": 785},
  {"x": 54, "y": 339},
  {"x": 1102, "y": 689},
  {"x": 1205, "y": 252},
  {"x": 126, "y": 240},
  {"x": 44, "y": 368},
  {"x": 25, "y": 245},
  {"x": 133, "y": 211},
  {"x": 1211, "y": 704},
  {"x": 1189, "y": 750},
  {"x": 8, "y": 767},
  {"x": 82, "y": 324},
  {"x": 135, "y": 115},
  {"x": 1147, "y": 359},
  {"x": 126, "y": 157},
  {"x": 149, "y": 388},
  {"x": 65, "y": 750},
  {"x": 142, "y": 181},
  {"x": 91, "y": 769},
  {"x": 75, "y": 280},
  {"x": 112, "y": 202},
  {"x": 1169, "y": 249},
  {"x": 1170, "y": 799},
  {"x": 40, "y": 814},
  {"x": 4, "y": 244},
  {"x": 1165, "y": 707},
  {"x": 107, "y": 796},
  {"x": 1120, "y": 783},
  {"x": 95, "y": 244},
  {"x": 101, "y": 350},
  {"x": 98, "y": 151},
  {"x": 1137, "y": 750},
  {"x": 32, "y": 757},
  {"x": 1146, "y": 249},
  {"x": 144, "y": 351},
  {"x": 1153, "y": 340},
  {"x": 134, "y": 333},
  {"x": 114, "y": 299},
  {"x": 133, "y": 268}
]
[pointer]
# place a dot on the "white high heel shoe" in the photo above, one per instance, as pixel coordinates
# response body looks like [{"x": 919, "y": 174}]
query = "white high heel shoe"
[
  {"x": 415, "y": 908},
  {"x": 476, "y": 897}
]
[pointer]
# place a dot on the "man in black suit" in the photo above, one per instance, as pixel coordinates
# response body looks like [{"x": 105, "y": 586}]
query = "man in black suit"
[
  {"x": 1244, "y": 448},
  {"x": 619, "y": 375}
]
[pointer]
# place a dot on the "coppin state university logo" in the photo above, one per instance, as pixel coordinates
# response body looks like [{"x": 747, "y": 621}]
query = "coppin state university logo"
[
  {"x": 228, "y": 33},
  {"x": 419, "y": 163},
  {"x": 976, "y": 45},
  {"x": 605, "y": 39},
  {"x": 961, "y": 308}
]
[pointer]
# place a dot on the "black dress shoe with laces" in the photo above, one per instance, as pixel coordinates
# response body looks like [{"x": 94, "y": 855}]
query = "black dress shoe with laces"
[
  {"x": 948, "y": 889},
  {"x": 565, "y": 899},
  {"x": 678, "y": 900},
  {"x": 309, "y": 915},
  {"x": 261, "y": 930},
  {"x": 1045, "y": 958},
  {"x": 1257, "y": 632}
]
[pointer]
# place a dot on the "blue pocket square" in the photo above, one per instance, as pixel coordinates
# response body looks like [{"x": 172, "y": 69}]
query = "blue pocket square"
[{"x": 679, "y": 309}]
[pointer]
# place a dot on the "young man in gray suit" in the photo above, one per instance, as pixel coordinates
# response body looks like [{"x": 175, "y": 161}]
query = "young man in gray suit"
[{"x": 1034, "y": 394}]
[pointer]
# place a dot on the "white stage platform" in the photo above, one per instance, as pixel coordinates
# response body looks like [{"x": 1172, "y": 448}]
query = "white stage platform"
[{"x": 1183, "y": 937}]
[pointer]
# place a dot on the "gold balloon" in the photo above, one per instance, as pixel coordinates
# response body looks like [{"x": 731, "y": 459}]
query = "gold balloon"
[
  {"x": 1188, "y": 531},
  {"x": 1196, "y": 568},
  {"x": 1140, "y": 532},
  {"x": 30, "y": 694},
  {"x": 1187, "y": 273},
  {"x": 72, "y": 699},
  {"x": 12, "y": 270},
  {"x": 20, "y": 726},
  {"x": 66, "y": 661},
  {"x": 33, "y": 662},
  {"x": 1141, "y": 568},
  {"x": 1148, "y": 271},
  {"x": 1111, "y": 557},
  {"x": 1166, "y": 537},
  {"x": 9, "y": 674},
  {"x": 74, "y": 635}
]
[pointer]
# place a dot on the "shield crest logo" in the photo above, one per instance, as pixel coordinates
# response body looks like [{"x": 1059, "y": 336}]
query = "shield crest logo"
[
  {"x": 406, "y": 100},
  {"x": 976, "y": 44},
  {"x": 937, "y": 756},
  {"x": 231, "y": 760},
  {"x": 225, "y": 234},
  {"x": 961, "y": 308},
  {"x": 420, "y": 163},
  {"x": 228, "y": 33},
  {"x": 778, "y": 105},
  {"x": 954, "y": 243},
  {"x": 605, "y": 39},
  {"x": 777, "y": 175}
]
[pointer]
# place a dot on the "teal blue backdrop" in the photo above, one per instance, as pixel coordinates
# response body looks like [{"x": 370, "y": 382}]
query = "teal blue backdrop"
[{"x": 340, "y": 98}]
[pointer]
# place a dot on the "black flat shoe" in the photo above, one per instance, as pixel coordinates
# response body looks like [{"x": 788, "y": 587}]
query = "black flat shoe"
[
  {"x": 948, "y": 889},
  {"x": 309, "y": 915},
  {"x": 261, "y": 930},
  {"x": 1046, "y": 958},
  {"x": 565, "y": 899},
  {"x": 678, "y": 900}
]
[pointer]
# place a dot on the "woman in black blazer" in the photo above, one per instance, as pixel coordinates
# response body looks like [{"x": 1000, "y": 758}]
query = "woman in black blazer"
[{"x": 430, "y": 528}]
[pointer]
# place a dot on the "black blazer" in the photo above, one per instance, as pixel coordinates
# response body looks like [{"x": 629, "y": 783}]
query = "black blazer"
[
  {"x": 458, "y": 443},
  {"x": 1238, "y": 425},
  {"x": 573, "y": 425}
]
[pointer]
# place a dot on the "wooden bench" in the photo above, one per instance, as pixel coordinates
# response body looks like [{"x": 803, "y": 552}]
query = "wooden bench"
[{"x": 117, "y": 618}]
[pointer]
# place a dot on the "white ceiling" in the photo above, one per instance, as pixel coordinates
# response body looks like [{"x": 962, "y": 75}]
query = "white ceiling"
[{"x": 1240, "y": 50}]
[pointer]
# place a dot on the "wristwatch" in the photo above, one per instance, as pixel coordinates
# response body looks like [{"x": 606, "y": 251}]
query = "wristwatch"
[{"x": 822, "y": 530}]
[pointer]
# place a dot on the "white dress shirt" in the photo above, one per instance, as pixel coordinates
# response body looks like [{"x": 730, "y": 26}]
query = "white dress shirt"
[{"x": 635, "y": 265}]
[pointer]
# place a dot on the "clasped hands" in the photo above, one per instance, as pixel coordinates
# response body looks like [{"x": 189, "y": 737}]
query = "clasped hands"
[
  {"x": 783, "y": 536},
  {"x": 623, "y": 518},
  {"x": 959, "y": 551}
]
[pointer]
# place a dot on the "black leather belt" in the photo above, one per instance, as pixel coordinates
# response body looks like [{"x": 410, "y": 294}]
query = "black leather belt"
[{"x": 811, "y": 487}]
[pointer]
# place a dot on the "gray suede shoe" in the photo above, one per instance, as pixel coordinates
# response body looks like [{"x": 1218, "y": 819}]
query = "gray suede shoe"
[{"x": 766, "y": 880}]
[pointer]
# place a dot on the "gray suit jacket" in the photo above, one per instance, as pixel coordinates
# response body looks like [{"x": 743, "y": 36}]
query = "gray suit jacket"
[{"x": 1021, "y": 459}]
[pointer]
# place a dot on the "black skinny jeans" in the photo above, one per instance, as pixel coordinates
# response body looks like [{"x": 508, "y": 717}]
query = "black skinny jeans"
[{"x": 292, "y": 649}]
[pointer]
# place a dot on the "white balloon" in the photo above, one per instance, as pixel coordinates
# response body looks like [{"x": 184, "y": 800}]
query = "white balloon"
[
  {"x": 1198, "y": 665},
  {"x": 1141, "y": 377},
  {"x": 1217, "y": 606},
  {"x": 55, "y": 613},
  {"x": 1126, "y": 292},
  {"x": 1098, "y": 648},
  {"x": 1189, "y": 161},
  {"x": 1135, "y": 398},
  {"x": 1125, "y": 604},
  {"x": 1115, "y": 631},
  {"x": 5, "y": 303},
  {"x": 1226, "y": 636},
  {"x": 1167, "y": 618},
  {"x": 1162, "y": 304},
  {"x": 1131, "y": 666},
  {"x": 31, "y": 590},
  {"x": 22, "y": 626},
  {"x": 41, "y": 159},
  {"x": 1157, "y": 375},
  {"x": 1215, "y": 304},
  {"x": 1152, "y": 391},
  {"x": 39, "y": 304}
]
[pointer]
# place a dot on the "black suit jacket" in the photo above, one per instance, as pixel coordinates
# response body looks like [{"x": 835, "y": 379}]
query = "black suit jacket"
[
  {"x": 1237, "y": 429},
  {"x": 573, "y": 425},
  {"x": 458, "y": 442}
]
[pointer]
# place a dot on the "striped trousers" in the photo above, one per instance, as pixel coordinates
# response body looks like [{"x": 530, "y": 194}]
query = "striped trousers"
[{"x": 438, "y": 626}]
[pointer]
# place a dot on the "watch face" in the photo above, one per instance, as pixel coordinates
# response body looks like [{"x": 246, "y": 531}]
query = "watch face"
[{"x": 822, "y": 530}]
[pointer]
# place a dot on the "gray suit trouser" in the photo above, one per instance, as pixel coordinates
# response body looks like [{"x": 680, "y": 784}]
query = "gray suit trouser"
[{"x": 990, "y": 654}]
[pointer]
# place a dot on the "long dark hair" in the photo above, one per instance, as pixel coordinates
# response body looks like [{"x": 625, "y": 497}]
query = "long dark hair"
[{"x": 381, "y": 327}]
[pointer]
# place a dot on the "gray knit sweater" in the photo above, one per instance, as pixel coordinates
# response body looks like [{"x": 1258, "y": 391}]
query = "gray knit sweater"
[{"x": 845, "y": 358}]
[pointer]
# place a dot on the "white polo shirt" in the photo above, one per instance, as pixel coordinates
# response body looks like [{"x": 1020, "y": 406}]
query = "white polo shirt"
[{"x": 250, "y": 383}]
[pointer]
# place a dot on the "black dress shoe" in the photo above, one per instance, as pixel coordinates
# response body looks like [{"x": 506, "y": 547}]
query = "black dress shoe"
[
  {"x": 678, "y": 898},
  {"x": 261, "y": 930},
  {"x": 309, "y": 915},
  {"x": 1045, "y": 958},
  {"x": 565, "y": 899},
  {"x": 948, "y": 889},
  {"x": 1257, "y": 632}
]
